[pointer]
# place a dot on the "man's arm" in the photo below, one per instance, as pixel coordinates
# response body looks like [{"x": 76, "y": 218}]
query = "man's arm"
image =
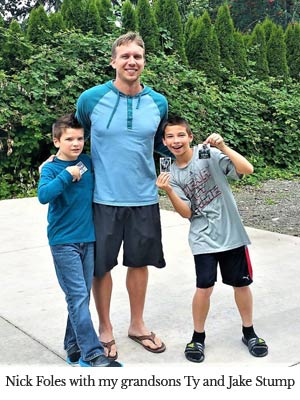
[
  {"x": 82, "y": 114},
  {"x": 49, "y": 159},
  {"x": 160, "y": 148}
]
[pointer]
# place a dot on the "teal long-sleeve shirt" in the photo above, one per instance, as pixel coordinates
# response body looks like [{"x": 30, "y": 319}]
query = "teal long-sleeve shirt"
[
  {"x": 70, "y": 218},
  {"x": 124, "y": 132}
]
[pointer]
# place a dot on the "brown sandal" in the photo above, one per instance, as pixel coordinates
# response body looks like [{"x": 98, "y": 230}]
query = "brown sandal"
[
  {"x": 108, "y": 346},
  {"x": 139, "y": 339}
]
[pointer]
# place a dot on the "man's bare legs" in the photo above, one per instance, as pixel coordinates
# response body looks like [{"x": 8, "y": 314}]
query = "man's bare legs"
[
  {"x": 102, "y": 290},
  {"x": 136, "y": 282}
]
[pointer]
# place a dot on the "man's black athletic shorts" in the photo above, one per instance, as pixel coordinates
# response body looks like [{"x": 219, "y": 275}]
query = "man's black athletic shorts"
[{"x": 137, "y": 228}]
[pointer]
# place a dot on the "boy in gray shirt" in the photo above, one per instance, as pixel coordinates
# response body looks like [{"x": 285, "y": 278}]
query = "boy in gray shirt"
[{"x": 198, "y": 188}]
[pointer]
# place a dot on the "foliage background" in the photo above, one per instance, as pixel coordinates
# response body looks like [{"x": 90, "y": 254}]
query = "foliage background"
[{"x": 43, "y": 73}]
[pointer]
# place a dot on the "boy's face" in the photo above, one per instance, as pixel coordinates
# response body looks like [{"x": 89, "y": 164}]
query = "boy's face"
[
  {"x": 128, "y": 62},
  {"x": 177, "y": 139},
  {"x": 70, "y": 144}
]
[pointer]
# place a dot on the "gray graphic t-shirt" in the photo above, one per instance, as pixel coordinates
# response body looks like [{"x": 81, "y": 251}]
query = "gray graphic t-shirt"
[{"x": 215, "y": 223}]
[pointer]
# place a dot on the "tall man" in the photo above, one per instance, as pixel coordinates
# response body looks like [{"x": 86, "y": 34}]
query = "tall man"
[{"x": 123, "y": 117}]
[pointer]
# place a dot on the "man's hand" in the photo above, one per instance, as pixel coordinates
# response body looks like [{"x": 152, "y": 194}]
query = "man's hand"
[{"x": 50, "y": 159}]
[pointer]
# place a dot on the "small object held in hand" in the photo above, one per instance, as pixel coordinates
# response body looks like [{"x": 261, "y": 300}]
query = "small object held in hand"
[
  {"x": 204, "y": 150},
  {"x": 81, "y": 167},
  {"x": 165, "y": 164}
]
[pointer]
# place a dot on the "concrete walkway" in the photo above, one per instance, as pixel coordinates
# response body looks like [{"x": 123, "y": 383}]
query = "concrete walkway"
[{"x": 33, "y": 310}]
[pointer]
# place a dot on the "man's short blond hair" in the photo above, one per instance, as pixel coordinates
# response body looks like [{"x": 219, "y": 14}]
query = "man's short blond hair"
[{"x": 125, "y": 39}]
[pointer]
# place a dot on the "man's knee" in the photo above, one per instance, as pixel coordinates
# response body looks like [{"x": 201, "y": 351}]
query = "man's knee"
[{"x": 204, "y": 293}]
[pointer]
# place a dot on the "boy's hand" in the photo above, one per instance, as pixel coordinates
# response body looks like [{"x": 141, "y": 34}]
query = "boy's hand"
[
  {"x": 163, "y": 181},
  {"x": 75, "y": 172},
  {"x": 241, "y": 164},
  {"x": 215, "y": 140}
]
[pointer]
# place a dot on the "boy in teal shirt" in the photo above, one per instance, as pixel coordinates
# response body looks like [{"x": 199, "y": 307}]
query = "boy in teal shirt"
[{"x": 67, "y": 185}]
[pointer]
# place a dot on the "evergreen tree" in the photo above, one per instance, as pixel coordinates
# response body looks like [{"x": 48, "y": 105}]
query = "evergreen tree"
[
  {"x": 246, "y": 39},
  {"x": 215, "y": 58},
  {"x": 188, "y": 27},
  {"x": 16, "y": 49},
  {"x": 213, "y": 7},
  {"x": 159, "y": 12},
  {"x": 207, "y": 56},
  {"x": 3, "y": 38},
  {"x": 268, "y": 26},
  {"x": 192, "y": 40},
  {"x": 276, "y": 53},
  {"x": 92, "y": 19},
  {"x": 57, "y": 23},
  {"x": 292, "y": 40},
  {"x": 257, "y": 52},
  {"x": 168, "y": 18},
  {"x": 38, "y": 29},
  {"x": 239, "y": 55},
  {"x": 2, "y": 34},
  {"x": 203, "y": 48},
  {"x": 106, "y": 14},
  {"x": 147, "y": 25},
  {"x": 74, "y": 12},
  {"x": 129, "y": 20},
  {"x": 225, "y": 33}
]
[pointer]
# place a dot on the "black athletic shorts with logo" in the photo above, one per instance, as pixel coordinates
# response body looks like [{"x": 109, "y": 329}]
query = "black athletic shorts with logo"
[
  {"x": 138, "y": 228},
  {"x": 235, "y": 268}
]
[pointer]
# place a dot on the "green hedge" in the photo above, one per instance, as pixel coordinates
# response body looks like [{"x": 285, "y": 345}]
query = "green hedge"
[{"x": 259, "y": 118}]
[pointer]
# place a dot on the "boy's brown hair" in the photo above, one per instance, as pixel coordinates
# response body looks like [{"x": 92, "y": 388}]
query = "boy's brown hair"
[
  {"x": 63, "y": 123},
  {"x": 176, "y": 120}
]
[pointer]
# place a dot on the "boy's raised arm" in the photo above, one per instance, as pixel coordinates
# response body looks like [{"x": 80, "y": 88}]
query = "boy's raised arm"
[{"x": 242, "y": 165}]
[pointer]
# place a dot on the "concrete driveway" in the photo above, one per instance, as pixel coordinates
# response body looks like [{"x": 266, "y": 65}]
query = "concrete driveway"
[{"x": 33, "y": 310}]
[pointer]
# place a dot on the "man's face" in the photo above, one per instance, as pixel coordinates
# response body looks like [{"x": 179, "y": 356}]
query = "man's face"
[{"x": 129, "y": 62}]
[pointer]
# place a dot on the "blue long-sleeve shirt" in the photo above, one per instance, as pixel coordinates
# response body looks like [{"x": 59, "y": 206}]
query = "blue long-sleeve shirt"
[
  {"x": 70, "y": 218},
  {"x": 124, "y": 131}
]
